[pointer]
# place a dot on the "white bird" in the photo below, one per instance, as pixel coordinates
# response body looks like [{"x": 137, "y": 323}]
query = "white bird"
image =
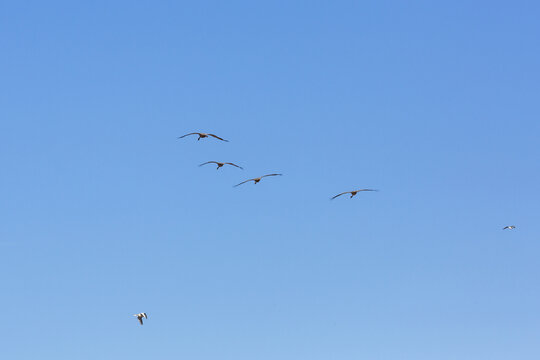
[
  {"x": 354, "y": 192},
  {"x": 141, "y": 316},
  {"x": 510, "y": 227},
  {"x": 202, "y": 136}
]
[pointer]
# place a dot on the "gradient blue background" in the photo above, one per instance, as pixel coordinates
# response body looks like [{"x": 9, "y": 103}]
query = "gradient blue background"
[{"x": 105, "y": 214}]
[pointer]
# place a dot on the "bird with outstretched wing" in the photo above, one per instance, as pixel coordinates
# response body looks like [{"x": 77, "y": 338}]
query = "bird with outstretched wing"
[
  {"x": 353, "y": 193},
  {"x": 220, "y": 164},
  {"x": 256, "y": 180},
  {"x": 202, "y": 136}
]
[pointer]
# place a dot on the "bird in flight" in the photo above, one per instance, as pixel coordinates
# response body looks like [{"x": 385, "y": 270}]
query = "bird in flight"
[
  {"x": 510, "y": 227},
  {"x": 352, "y": 193},
  {"x": 256, "y": 180},
  {"x": 141, "y": 316},
  {"x": 220, "y": 164},
  {"x": 202, "y": 136}
]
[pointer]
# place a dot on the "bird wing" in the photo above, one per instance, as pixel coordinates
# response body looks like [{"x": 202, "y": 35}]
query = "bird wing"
[
  {"x": 243, "y": 182},
  {"x": 343, "y": 193},
  {"x": 209, "y": 162},
  {"x": 144, "y": 314},
  {"x": 235, "y": 165},
  {"x": 366, "y": 190},
  {"x": 217, "y": 137},
  {"x": 188, "y": 135},
  {"x": 270, "y": 175},
  {"x": 140, "y": 319}
]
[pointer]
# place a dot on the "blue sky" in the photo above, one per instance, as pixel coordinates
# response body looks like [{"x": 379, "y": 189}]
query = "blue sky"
[{"x": 105, "y": 214}]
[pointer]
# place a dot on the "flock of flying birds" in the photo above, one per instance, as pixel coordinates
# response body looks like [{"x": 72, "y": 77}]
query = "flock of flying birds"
[
  {"x": 220, "y": 164},
  {"x": 255, "y": 180},
  {"x": 200, "y": 135}
]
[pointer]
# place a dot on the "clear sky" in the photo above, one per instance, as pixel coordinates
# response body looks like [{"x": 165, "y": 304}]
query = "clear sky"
[{"x": 105, "y": 214}]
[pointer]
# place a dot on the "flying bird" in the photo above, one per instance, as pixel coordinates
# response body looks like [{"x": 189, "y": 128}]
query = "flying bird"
[
  {"x": 220, "y": 164},
  {"x": 202, "y": 136},
  {"x": 511, "y": 227},
  {"x": 352, "y": 193},
  {"x": 141, "y": 316},
  {"x": 256, "y": 180}
]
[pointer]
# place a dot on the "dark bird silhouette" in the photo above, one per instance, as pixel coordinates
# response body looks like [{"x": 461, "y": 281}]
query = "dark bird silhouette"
[
  {"x": 256, "y": 180},
  {"x": 220, "y": 164},
  {"x": 352, "y": 193},
  {"x": 202, "y": 136},
  {"x": 510, "y": 227},
  {"x": 141, "y": 316}
]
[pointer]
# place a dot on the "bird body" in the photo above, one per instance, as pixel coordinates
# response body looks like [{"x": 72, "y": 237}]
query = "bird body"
[
  {"x": 220, "y": 164},
  {"x": 140, "y": 317},
  {"x": 202, "y": 136},
  {"x": 353, "y": 193},
  {"x": 256, "y": 180},
  {"x": 510, "y": 227}
]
